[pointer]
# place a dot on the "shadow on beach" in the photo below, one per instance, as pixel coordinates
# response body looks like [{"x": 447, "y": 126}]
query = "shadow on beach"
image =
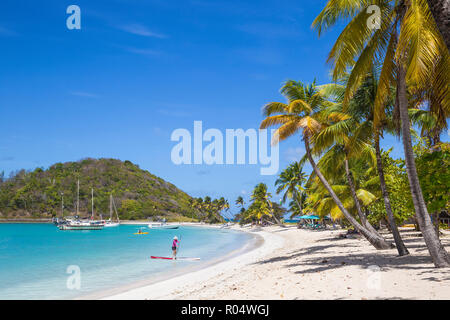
[{"x": 338, "y": 253}]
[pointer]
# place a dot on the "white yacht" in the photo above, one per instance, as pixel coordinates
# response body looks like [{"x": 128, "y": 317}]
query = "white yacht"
[
  {"x": 162, "y": 225},
  {"x": 110, "y": 222}
]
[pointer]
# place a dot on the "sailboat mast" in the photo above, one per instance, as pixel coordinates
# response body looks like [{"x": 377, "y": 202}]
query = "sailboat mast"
[
  {"x": 78, "y": 197},
  {"x": 92, "y": 204},
  {"x": 110, "y": 207},
  {"x": 115, "y": 209}
]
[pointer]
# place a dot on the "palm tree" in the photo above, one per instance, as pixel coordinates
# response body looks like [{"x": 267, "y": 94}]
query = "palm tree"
[
  {"x": 321, "y": 203},
  {"x": 296, "y": 205},
  {"x": 354, "y": 131},
  {"x": 240, "y": 201},
  {"x": 241, "y": 216},
  {"x": 440, "y": 9},
  {"x": 261, "y": 205},
  {"x": 303, "y": 112},
  {"x": 412, "y": 52},
  {"x": 291, "y": 181},
  {"x": 224, "y": 205},
  {"x": 345, "y": 139}
]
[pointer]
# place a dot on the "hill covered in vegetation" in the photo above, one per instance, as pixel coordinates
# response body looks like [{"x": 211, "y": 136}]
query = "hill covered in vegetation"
[{"x": 137, "y": 193}]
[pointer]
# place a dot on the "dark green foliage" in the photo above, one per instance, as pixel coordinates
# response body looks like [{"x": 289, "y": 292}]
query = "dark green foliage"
[
  {"x": 399, "y": 192},
  {"x": 433, "y": 167},
  {"x": 137, "y": 193}
]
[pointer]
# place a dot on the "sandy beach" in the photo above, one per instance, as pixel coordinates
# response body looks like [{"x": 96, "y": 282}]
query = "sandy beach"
[{"x": 293, "y": 263}]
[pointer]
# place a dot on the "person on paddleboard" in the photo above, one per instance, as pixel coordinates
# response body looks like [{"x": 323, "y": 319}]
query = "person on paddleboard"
[{"x": 175, "y": 245}]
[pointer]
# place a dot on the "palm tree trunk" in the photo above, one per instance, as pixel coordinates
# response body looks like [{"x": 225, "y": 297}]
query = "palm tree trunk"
[
  {"x": 402, "y": 250},
  {"x": 436, "y": 222},
  {"x": 361, "y": 214},
  {"x": 299, "y": 204},
  {"x": 440, "y": 10},
  {"x": 438, "y": 253},
  {"x": 377, "y": 241},
  {"x": 274, "y": 217}
]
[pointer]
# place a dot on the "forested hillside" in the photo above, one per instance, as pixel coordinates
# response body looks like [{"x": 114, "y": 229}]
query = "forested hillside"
[{"x": 137, "y": 193}]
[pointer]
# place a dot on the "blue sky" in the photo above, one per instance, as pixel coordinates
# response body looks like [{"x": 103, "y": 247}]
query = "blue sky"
[{"x": 137, "y": 70}]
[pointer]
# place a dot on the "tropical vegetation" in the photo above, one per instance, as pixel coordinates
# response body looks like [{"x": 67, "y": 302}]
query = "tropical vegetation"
[{"x": 137, "y": 193}]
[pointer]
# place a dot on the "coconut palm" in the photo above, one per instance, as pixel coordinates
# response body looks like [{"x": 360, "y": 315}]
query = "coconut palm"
[
  {"x": 303, "y": 112},
  {"x": 411, "y": 51},
  {"x": 440, "y": 9},
  {"x": 321, "y": 203},
  {"x": 290, "y": 182},
  {"x": 296, "y": 205},
  {"x": 353, "y": 134},
  {"x": 261, "y": 204},
  {"x": 225, "y": 205},
  {"x": 240, "y": 201}
]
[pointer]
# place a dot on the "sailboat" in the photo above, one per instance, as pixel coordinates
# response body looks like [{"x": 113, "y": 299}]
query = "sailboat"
[
  {"x": 110, "y": 223},
  {"x": 77, "y": 224}
]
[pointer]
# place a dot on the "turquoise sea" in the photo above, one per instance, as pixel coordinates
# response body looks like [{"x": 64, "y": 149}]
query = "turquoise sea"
[{"x": 37, "y": 261}]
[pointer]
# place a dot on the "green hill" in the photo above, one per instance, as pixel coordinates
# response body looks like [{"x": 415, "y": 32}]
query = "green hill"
[{"x": 137, "y": 193}]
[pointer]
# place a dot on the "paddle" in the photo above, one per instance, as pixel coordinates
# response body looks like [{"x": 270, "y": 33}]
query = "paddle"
[{"x": 179, "y": 245}]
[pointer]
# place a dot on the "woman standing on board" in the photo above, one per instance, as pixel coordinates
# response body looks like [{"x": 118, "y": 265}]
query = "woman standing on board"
[{"x": 175, "y": 245}]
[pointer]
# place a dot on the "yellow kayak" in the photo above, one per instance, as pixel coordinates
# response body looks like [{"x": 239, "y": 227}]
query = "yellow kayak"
[{"x": 141, "y": 233}]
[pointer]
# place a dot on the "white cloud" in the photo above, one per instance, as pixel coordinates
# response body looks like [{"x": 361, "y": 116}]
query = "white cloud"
[{"x": 141, "y": 31}]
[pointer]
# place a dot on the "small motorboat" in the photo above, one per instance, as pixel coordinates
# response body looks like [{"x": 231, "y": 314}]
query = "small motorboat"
[{"x": 161, "y": 225}]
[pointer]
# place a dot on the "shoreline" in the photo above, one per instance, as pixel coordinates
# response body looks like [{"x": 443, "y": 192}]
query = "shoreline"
[
  {"x": 320, "y": 265},
  {"x": 164, "y": 288},
  {"x": 298, "y": 264},
  {"x": 125, "y": 222}
]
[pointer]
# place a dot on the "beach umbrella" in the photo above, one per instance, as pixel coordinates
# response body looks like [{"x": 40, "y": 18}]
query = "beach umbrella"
[{"x": 306, "y": 216}]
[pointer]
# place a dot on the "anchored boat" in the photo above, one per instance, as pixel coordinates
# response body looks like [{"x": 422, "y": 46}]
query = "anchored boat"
[
  {"x": 82, "y": 224},
  {"x": 110, "y": 222},
  {"x": 162, "y": 225}
]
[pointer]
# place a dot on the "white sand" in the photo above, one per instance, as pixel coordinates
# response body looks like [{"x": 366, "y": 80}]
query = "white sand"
[
  {"x": 303, "y": 264},
  {"x": 163, "y": 289}
]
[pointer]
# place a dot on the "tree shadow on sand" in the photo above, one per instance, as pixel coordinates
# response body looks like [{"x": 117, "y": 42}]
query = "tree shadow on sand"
[{"x": 332, "y": 258}]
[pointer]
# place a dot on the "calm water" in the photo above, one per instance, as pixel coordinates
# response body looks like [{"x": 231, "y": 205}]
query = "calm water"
[{"x": 34, "y": 257}]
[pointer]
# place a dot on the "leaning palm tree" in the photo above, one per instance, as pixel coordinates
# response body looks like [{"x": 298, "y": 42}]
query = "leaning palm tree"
[
  {"x": 412, "y": 53},
  {"x": 352, "y": 134},
  {"x": 321, "y": 203},
  {"x": 303, "y": 113}
]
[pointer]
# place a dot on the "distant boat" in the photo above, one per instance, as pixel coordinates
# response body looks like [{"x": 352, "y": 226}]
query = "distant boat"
[
  {"x": 82, "y": 224},
  {"x": 110, "y": 223},
  {"x": 226, "y": 225},
  {"x": 162, "y": 225}
]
